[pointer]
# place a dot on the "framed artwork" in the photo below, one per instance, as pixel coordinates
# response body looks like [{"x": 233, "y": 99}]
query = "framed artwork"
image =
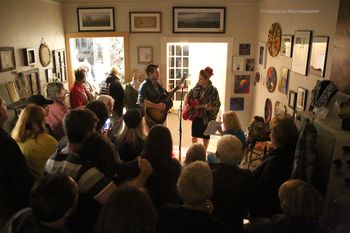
[
  {"x": 145, "y": 21},
  {"x": 23, "y": 84},
  {"x": 238, "y": 63},
  {"x": 274, "y": 39},
  {"x": 44, "y": 55},
  {"x": 292, "y": 98},
  {"x": 29, "y": 56},
  {"x": 49, "y": 75},
  {"x": 7, "y": 59},
  {"x": 283, "y": 82},
  {"x": 262, "y": 55},
  {"x": 244, "y": 49},
  {"x": 318, "y": 59},
  {"x": 301, "y": 98},
  {"x": 32, "y": 77},
  {"x": 95, "y": 19},
  {"x": 301, "y": 50},
  {"x": 242, "y": 83},
  {"x": 249, "y": 64},
  {"x": 13, "y": 91},
  {"x": 144, "y": 54},
  {"x": 199, "y": 19},
  {"x": 237, "y": 104},
  {"x": 271, "y": 79},
  {"x": 287, "y": 45},
  {"x": 268, "y": 110}
]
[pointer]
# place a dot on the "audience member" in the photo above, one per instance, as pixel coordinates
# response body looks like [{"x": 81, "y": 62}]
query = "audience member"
[
  {"x": 95, "y": 186},
  {"x": 116, "y": 91},
  {"x": 56, "y": 92},
  {"x": 132, "y": 140},
  {"x": 166, "y": 170},
  {"x": 78, "y": 94},
  {"x": 196, "y": 152},
  {"x": 35, "y": 143},
  {"x": 195, "y": 186},
  {"x": 128, "y": 210},
  {"x": 233, "y": 187},
  {"x": 15, "y": 179},
  {"x": 275, "y": 169},
  {"x": 101, "y": 111},
  {"x": 301, "y": 205},
  {"x": 108, "y": 101},
  {"x": 52, "y": 201},
  {"x": 232, "y": 126}
]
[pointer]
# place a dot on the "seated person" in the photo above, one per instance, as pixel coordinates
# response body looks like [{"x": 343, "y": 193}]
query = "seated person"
[
  {"x": 132, "y": 140},
  {"x": 52, "y": 200},
  {"x": 232, "y": 126},
  {"x": 301, "y": 205},
  {"x": 195, "y": 186},
  {"x": 15, "y": 179},
  {"x": 233, "y": 187},
  {"x": 275, "y": 169},
  {"x": 56, "y": 92},
  {"x": 31, "y": 135},
  {"x": 196, "y": 152},
  {"x": 128, "y": 210}
]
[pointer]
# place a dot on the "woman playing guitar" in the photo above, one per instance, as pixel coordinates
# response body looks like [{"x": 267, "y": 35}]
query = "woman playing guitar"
[{"x": 202, "y": 104}]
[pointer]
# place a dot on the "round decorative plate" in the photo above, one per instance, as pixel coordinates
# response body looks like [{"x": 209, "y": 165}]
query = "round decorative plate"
[
  {"x": 268, "y": 110},
  {"x": 257, "y": 78},
  {"x": 271, "y": 79},
  {"x": 274, "y": 39},
  {"x": 44, "y": 54}
]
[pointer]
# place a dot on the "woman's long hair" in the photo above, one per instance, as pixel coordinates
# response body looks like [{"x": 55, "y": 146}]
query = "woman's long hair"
[
  {"x": 133, "y": 136},
  {"x": 231, "y": 121},
  {"x": 30, "y": 124}
]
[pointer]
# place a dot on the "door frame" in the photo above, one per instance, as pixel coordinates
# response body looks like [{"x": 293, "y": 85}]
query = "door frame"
[
  {"x": 68, "y": 36},
  {"x": 228, "y": 40}
]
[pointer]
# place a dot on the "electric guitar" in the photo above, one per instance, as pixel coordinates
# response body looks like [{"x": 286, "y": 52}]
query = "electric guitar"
[
  {"x": 159, "y": 116},
  {"x": 192, "y": 109}
]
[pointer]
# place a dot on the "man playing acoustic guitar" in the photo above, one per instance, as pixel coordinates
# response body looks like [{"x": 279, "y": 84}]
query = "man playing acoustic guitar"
[{"x": 202, "y": 104}]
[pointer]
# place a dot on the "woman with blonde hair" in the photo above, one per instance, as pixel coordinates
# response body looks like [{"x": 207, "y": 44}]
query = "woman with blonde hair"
[
  {"x": 35, "y": 143},
  {"x": 232, "y": 126},
  {"x": 196, "y": 152}
]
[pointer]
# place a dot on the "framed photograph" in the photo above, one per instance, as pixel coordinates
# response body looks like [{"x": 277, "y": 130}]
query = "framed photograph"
[
  {"x": 95, "y": 19},
  {"x": 145, "y": 21},
  {"x": 29, "y": 56},
  {"x": 292, "y": 98},
  {"x": 242, "y": 83},
  {"x": 283, "y": 81},
  {"x": 238, "y": 64},
  {"x": 144, "y": 54},
  {"x": 318, "y": 59},
  {"x": 287, "y": 45},
  {"x": 7, "y": 59},
  {"x": 262, "y": 55},
  {"x": 301, "y": 50},
  {"x": 274, "y": 39},
  {"x": 244, "y": 49},
  {"x": 13, "y": 91},
  {"x": 301, "y": 98},
  {"x": 199, "y": 19},
  {"x": 249, "y": 64},
  {"x": 237, "y": 104}
]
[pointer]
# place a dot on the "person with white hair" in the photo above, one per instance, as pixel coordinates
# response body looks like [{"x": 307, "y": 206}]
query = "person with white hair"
[
  {"x": 108, "y": 101},
  {"x": 195, "y": 186},
  {"x": 233, "y": 187}
]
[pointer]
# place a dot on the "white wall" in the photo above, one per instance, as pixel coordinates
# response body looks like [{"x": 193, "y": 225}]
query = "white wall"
[
  {"x": 321, "y": 23},
  {"x": 241, "y": 25}
]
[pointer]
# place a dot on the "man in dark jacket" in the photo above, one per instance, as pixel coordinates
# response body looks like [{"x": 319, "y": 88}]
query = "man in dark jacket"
[
  {"x": 115, "y": 89},
  {"x": 276, "y": 169}
]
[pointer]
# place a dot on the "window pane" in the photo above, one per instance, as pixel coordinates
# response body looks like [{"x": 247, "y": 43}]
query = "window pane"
[
  {"x": 171, "y": 61},
  {"x": 185, "y": 48},
  {"x": 171, "y": 50},
  {"x": 185, "y": 62},
  {"x": 178, "y": 62},
  {"x": 171, "y": 73},
  {"x": 178, "y": 50}
]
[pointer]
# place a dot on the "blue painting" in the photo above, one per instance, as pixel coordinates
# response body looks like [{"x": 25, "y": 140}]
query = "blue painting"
[{"x": 237, "y": 104}]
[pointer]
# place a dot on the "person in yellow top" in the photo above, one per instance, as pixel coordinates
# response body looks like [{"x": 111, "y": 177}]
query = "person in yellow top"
[{"x": 31, "y": 135}]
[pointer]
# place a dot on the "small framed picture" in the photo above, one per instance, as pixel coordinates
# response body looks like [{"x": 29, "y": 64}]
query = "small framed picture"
[
  {"x": 29, "y": 56},
  {"x": 287, "y": 45},
  {"x": 292, "y": 99},
  {"x": 262, "y": 55},
  {"x": 301, "y": 48},
  {"x": 145, "y": 22},
  {"x": 95, "y": 19},
  {"x": 7, "y": 59},
  {"x": 144, "y": 54},
  {"x": 238, "y": 64},
  {"x": 249, "y": 64},
  {"x": 301, "y": 98},
  {"x": 318, "y": 55},
  {"x": 244, "y": 49}
]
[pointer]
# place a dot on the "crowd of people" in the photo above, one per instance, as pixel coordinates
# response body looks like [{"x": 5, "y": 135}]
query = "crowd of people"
[{"x": 97, "y": 167}]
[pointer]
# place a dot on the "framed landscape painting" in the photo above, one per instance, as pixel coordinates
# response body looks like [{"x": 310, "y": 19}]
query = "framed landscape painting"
[
  {"x": 145, "y": 22},
  {"x": 95, "y": 19},
  {"x": 199, "y": 19}
]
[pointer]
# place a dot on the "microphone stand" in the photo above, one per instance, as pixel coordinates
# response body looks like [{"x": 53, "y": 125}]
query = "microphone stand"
[{"x": 180, "y": 122}]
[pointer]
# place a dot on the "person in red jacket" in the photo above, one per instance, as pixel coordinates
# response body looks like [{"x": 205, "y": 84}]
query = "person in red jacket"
[{"x": 78, "y": 94}]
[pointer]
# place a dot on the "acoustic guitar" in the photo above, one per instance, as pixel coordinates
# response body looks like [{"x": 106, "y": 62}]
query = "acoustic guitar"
[
  {"x": 159, "y": 116},
  {"x": 193, "y": 109}
]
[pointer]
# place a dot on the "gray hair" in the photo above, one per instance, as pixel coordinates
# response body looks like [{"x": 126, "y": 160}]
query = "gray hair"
[
  {"x": 195, "y": 184},
  {"x": 53, "y": 90},
  {"x": 196, "y": 152},
  {"x": 229, "y": 149}
]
